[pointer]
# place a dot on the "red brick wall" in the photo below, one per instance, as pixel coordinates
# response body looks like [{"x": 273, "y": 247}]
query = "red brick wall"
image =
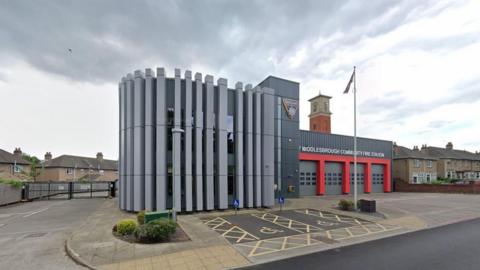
[
  {"x": 472, "y": 188},
  {"x": 320, "y": 123}
]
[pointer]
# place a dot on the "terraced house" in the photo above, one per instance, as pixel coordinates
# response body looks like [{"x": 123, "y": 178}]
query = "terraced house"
[
  {"x": 413, "y": 166},
  {"x": 13, "y": 164},
  {"x": 77, "y": 168}
]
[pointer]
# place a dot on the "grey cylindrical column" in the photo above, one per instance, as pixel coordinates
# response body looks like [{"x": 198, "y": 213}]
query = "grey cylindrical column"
[
  {"x": 198, "y": 141},
  {"x": 248, "y": 135},
  {"x": 208, "y": 143},
  {"x": 176, "y": 150},
  {"x": 139, "y": 142},
  {"x": 268, "y": 147},
  {"x": 221, "y": 141},
  {"x": 121, "y": 137},
  {"x": 239, "y": 144},
  {"x": 150, "y": 99},
  {"x": 129, "y": 142},
  {"x": 188, "y": 141},
  {"x": 257, "y": 146},
  {"x": 161, "y": 142}
]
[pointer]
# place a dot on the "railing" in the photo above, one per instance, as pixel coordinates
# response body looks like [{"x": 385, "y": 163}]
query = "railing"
[{"x": 68, "y": 190}]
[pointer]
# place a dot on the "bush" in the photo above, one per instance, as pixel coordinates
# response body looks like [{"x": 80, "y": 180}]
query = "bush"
[
  {"x": 156, "y": 230},
  {"x": 141, "y": 217},
  {"x": 345, "y": 205},
  {"x": 126, "y": 226},
  {"x": 12, "y": 182},
  {"x": 114, "y": 228}
]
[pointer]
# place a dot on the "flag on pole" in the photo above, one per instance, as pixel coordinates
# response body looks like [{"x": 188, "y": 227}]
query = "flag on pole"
[{"x": 349, "y": 83}]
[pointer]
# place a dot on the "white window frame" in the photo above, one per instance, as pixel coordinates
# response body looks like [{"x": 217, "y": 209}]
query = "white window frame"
[
  {"x": 428, "y": 178},
  {"x": 17, "y": 168},
  {"x": 417, "y": 163},
  {"x": 429, "y": 164},
  {"x": 70, "y": 170},
  {"x": 101, "y": 172},
  {"x": 415, "y": 179}
]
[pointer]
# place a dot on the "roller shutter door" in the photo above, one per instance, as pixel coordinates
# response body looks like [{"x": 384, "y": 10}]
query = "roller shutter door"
[
  {"x": 360, "y": 177},
  {"x": 333, "y": 178},
  {"x": 308, "y": 178},
  {"x": 378, "y": 174}
]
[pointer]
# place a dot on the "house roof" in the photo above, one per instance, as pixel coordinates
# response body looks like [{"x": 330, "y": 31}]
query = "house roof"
[
  {"x": 401, "y": 152},
  {"x": 9, "y": 158},
  {"x": 439, "y": 152},
  {"x": 68, "y": 161}
]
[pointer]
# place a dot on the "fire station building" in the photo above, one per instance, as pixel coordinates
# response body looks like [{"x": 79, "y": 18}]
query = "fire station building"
[{"x": 218, "y": 144}]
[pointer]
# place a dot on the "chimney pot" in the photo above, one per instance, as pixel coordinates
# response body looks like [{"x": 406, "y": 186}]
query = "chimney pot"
[
  {"x": 48, "y": 156},
  {"x": 99, "y": 156},
  {"x": 449, "y": 146},
  {"x": 17, "y": 152}
]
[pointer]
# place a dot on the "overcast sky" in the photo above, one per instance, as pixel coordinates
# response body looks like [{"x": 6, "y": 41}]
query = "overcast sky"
[{"x": 417, "y": 61}]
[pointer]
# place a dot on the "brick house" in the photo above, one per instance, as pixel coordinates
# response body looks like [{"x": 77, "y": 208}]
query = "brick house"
[
  {"x": 76, "y": 168},
  {"x": 455, "y": 164},
  {"x": 413, "y": 166},
  {"x": 13, "y": 165}
]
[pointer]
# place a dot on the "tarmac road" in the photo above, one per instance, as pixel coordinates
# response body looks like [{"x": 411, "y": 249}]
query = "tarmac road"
[
  {"x": 455, "y": 246},
  {"x": 32, "y": 234}
]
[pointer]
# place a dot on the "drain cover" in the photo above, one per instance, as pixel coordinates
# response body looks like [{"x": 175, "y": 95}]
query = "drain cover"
[{"x": 36, "y": 235}]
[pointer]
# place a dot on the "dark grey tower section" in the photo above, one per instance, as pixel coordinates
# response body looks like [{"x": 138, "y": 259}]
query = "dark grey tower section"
[
  {"x": 257, "y": 146},
  {"x": 287, "y": 134},
  {"x": 208, "y": 143},
  {"x": 161, "y": 141},
  {"x": 188, "y": 141},
  {"x": 177, "y": 147},
  {"x": 150, "y": 98},
  {"x": 268, "y": 143},
  {"x": 221, "y": 141},
  {"x": 198, "y": 141},
  {"x": 139, "y": 142},
  {"x": 248, "y": 135},
  {"x": 129, "y": 140},
  {"x": 239, "y": 144}
]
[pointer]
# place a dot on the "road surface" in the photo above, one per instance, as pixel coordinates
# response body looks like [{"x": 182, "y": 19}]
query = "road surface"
[
  {"x": 455, "y": 246},
  {"x": 32, "y": 234}
]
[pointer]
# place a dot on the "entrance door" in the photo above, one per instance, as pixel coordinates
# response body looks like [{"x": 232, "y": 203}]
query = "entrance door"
[
  {"x": 377, "y": 178},
  {"x": 360, "y": 177},
  {"x": 333, "y": 178},
  {"x": 308, "y": 178}
]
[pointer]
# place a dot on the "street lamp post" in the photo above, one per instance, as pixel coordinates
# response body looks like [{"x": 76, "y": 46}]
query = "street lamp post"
[{"x": 174, "y": 164}]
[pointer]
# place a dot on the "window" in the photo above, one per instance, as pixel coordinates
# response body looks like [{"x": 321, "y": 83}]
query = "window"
[
  {"x": 428, "y": 178},
  {"x": 17, "y": 168},
  {"x": 101, "y": 172},
  {"x": 415, "y": 179},
  {"x": 417, "y": 163},
  {"x": 230, "y": 135},
  {"x": 69, "y": 170},
  {"x": 326, "y": 106},
  {"x": 314, "y": 107},
  {"x": 429, "y": 163}
]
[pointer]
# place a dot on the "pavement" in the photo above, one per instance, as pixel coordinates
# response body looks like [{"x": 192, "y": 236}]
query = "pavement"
[
  {"x": 218, "y": 239},
  {"x": 32, "y": 234},
  {"x": 453, "y": 246}
]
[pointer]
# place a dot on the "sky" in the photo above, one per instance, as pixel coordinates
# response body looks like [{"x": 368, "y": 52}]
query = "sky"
[{"x": 418, "y": 79}]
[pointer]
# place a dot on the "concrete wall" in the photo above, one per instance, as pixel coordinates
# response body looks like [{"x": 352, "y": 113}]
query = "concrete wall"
[{"x": 9, "y": 194}]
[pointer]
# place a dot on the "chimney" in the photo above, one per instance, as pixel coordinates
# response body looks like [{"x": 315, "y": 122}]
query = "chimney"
[
  {"x": 449, "y": 146},
  {"x": 424, "y": 146},
  {"x": 99, "y": 156},
  {"x": 48, "y": 156},
  {"x": 415, "y": 148},
  {"x": 17, "y": 152}
]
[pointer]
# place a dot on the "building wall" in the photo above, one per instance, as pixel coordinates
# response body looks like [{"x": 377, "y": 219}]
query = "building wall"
[
  {"x": 60, "y": 174},
  {"x": 8, "y": 168},
  {"x": 401, "y": 169},
  {"x": 222, "y": 129},
  {"x": 320, "y": 123},
  {"x": 459, "y": 169}
]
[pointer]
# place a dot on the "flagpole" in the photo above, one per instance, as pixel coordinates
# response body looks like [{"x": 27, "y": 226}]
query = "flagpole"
[{"x": 354, "y": 139}]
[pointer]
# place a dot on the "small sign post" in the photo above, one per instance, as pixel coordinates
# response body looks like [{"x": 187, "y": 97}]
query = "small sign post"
[
  {"x": 236, "y": 203},
  {"x": 281, "y": 201}
]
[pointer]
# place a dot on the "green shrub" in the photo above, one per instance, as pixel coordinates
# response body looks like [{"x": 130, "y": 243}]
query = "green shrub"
[
  {"x": 346, "y": 205},
  {"x": 156, "y": 230},
  {"x": 141, "y": 217},
  {"x": 126, "y": 226},
  {"x": 12, "y": 182}
]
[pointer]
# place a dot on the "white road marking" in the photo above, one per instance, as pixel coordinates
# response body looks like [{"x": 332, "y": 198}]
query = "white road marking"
[{"x": 36, "y": 212}]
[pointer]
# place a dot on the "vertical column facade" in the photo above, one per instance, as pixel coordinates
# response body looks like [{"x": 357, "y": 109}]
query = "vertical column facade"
[
  {"x": 368, "y": 177},
  {"x": 188, "y": 141},
  {"x": 198, "y": 141},
  {"x": 161, "y": 142},
  {"x": 239, "y": 194},
  {"x": 150, "y": 99},
  {"x": 268, "y": 147},
  {"x": 129, "y": 141},
  {"x": 257, "y": 146},
  {"x": 121, "y": 158},
  {"x": 221, "y": 147},
  {"x": 346, "y": 178},
  {"x": 176, "y": 147},
  {"x": 248, "y": 135},
  {"x": 208, "y": 143},
  {"x": 139, "y": 142}
]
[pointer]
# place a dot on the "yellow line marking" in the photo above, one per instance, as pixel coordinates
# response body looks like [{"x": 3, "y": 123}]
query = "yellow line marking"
[
  {"x": 229, "y": 230},
  {"x": 328, "y": 234},
  {"x": 284, "y": 244}
]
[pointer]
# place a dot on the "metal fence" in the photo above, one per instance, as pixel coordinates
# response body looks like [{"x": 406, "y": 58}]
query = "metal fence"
[{"x": 68, "y": 190}]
